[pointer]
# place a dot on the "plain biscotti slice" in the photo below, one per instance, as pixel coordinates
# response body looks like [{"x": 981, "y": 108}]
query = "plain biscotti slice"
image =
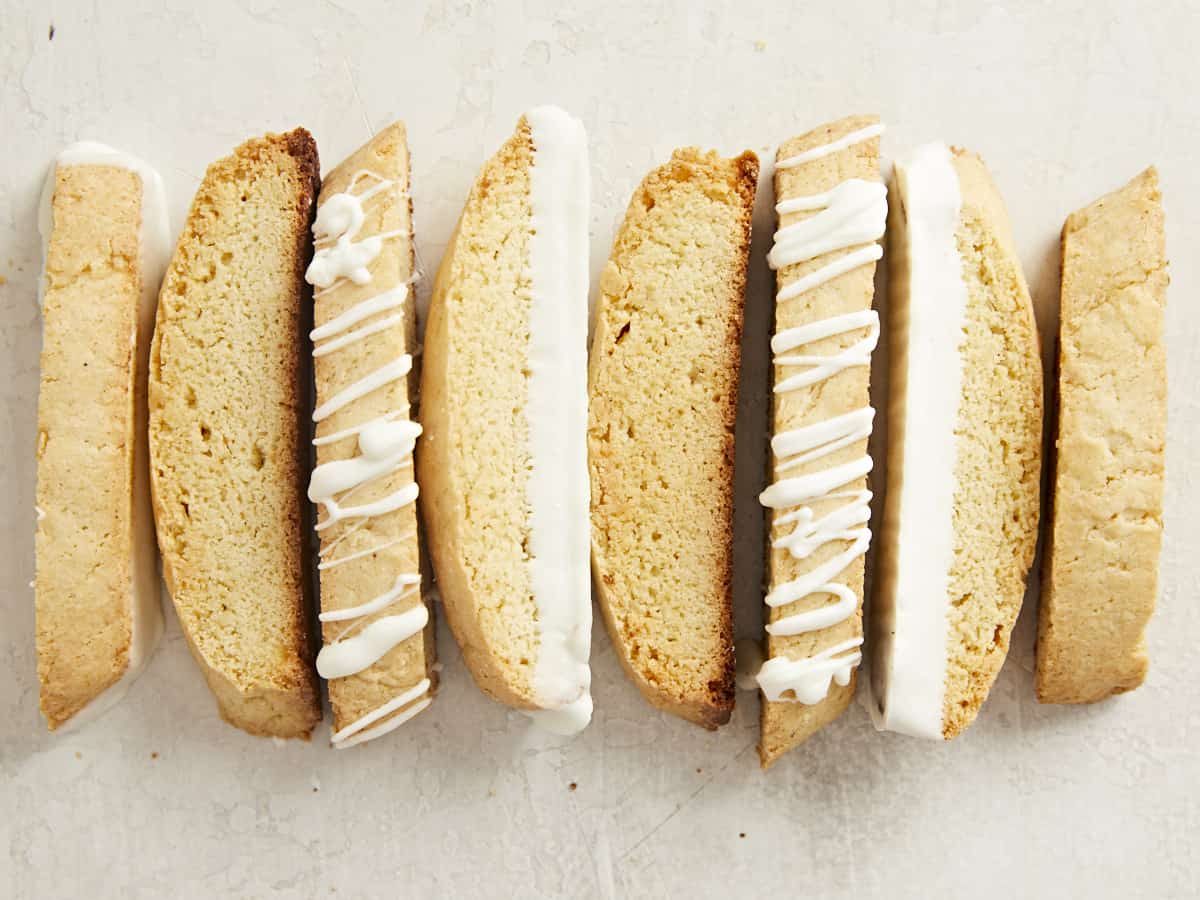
[
  {"x": 832, "y": 210},
  {"x": 104, "y": 221},
  {"x": 964, "y": 448},
  {"x": 378, "y": 652},
  {"x": 502, "y": 462},
  {"x": 1101, "y": 563},
  {"x": 663, "y": 392},
  {"x": 227, "y": 399}
]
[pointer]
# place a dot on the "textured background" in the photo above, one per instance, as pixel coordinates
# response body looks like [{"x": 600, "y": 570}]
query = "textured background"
[{"x": 160, "y": 799}]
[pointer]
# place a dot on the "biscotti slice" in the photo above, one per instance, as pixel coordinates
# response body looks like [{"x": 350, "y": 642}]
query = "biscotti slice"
[
  {"x": 964, "y": 447},
  {"x": 228, "y": 455},
  {"x": 1100, "y": 575},
  {"x": 663, "y": 386},
  {"x": 104, "y": 222},
  {"x": 502, "y": 463},
  {"x": 832, "y": 211},
  {"x": 378, "y": 651}
]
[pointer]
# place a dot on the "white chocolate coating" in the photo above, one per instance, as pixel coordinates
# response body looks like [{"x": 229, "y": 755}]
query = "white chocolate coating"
[
  {"x": 914, "y": 656},
  {"x": 557, "y": 489}
]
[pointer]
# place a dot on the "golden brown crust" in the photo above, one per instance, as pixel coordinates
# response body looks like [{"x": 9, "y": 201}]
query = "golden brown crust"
[
  {"x": 227, "y": 447},
  {"x": 1100, "y": 569},
  {"x": 663, "y": 400},
  {"x": 786, "y": 724}
]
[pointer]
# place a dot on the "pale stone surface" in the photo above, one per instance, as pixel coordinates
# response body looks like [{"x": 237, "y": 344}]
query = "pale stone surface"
[{"x": 1066, "y": 102}]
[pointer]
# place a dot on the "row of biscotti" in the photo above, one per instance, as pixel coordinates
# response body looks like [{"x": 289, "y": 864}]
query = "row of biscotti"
[
  {"x": 213, "y": 409},
  {"x": 502, "y": 462},
  {"x": 207, "y": 396},
  {"x": 961, "y": 519}
]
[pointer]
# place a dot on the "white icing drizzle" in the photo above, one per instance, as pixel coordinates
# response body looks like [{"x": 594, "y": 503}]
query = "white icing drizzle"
[
  {"x": 854, "y": 137},
  {"x": 392, "y": 502},
  {"x": 339, "y": 219},
  {"x": 388, "y": 300},
  {"x": 350, "y": 557},
  {"x": 385, "y": 374},
  {"x": 353, "y": 337},
  {"x": 349, "y": 655},
  {"x": 821, "y": 367},
  {"x": 840, "y": 266},
  {"x": 385, "y": 446},
  {"x": 807, "y": 680},
  {"x": 354, "y": 734},
  {"x": 357, "y": 429},
  {"x": 405, "y": 585},
  {"x": 848, "y": 215},
  {"x": 853, "y": 213}
]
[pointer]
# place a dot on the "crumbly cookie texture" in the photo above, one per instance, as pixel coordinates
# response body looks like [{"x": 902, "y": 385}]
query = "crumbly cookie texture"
[
  {"x": 1101, "y": 564},
  {"x": 999, "y": 449},
  {"x": 89, "y": 547},
  {"x": 228, "y": 448},
  {"x": 390, "y": 541},
  {"x": 785, "y": 724},
  {"x": 663, "y": 386},
  {"x": 473, "y": 393}
]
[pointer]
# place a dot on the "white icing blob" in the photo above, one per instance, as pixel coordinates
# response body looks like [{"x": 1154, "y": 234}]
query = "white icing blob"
[
  {"x": 807, "y": 680},
  {"x": 350, "y": 655}
]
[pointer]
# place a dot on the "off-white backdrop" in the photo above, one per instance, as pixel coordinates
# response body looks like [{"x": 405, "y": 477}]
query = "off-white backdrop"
[{"x": 160, "y": 799}]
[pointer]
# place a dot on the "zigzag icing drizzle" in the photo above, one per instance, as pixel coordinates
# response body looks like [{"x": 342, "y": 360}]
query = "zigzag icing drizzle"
[
  {"x": 385, "y": 446},
  {"x": 851, "y": 214}
]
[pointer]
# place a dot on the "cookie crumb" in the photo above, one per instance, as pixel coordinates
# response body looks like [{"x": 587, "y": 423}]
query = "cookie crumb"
[
  {"x": 3, "y": 280},
  {"x": 572, "y": 786},
  {"x": 741, "y": 834},
  {"x": 699, "y": 771},
  {"x": 78, "y": 755},
  {"x": 154, "y": 754}
]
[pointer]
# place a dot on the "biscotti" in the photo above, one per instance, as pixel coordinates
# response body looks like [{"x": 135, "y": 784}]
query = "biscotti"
[
  {"x": 378, "y": 652},
  {"x": 228, "y": 454},
  {"x": 832, "y": 211},
  {"x": 964, "y": 447},
  {"x": 1100, "y": 575},
  {"x": 104, "y": 221},
  {"x": 663, "y": 389},
  {"x": 502, "y": 462}
]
